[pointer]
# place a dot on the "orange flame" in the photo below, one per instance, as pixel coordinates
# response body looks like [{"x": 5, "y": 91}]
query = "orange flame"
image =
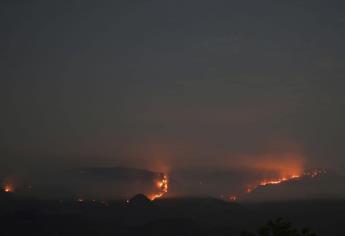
[
  {"x": 265, "y": 182},
  {"x": 8, "y": 189},
  {"x": 163, "y": 187}
]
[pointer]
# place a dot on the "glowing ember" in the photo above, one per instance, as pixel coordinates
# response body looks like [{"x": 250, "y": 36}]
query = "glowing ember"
[
  {"x": 8, "y": 189},
  {"x": 159, "y": 184},
  {"x": 233, "y": 198},
  {"x": 314, "y": 173},
  {"x": 163, "y": 187}
]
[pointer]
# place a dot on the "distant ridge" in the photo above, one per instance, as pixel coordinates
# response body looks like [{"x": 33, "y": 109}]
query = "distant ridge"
[{"x": 324, "y": 185}]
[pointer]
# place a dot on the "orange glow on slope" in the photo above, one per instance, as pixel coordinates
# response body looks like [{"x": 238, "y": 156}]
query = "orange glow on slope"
[
  {"x": 274, "y": 181},
  {"x": 163, "y": 186},
  {"x": 283, "y": 165},
  {"x": 280, "y": 167}
]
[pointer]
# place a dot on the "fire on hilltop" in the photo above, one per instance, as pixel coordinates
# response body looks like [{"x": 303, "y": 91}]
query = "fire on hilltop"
[{"x": 276, "y": 181}]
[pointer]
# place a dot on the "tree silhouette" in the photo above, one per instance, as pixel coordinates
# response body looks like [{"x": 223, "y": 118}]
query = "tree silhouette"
[{"x": 279, "y": 227}]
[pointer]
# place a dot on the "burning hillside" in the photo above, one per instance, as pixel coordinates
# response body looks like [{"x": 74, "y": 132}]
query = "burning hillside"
[
  {"x": 233, "y": 185},
  {"x": 316, "y": 183},
  {"x": 274, "y": 181},
  {"x": 288, "y": 182},
  {"x": 162, "y": 185},
  {"x": 88, "y": 184}
]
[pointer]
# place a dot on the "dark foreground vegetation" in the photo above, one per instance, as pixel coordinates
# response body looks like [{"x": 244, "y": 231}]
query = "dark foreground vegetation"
[
  {"x": 195, "y": 216},
  {"x": 279, "y": 227}
]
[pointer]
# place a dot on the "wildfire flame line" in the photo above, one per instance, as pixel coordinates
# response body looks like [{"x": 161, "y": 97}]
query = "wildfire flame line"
[
  {"x": 267, "y": 182},
  {"x": 163, "y": 187}
]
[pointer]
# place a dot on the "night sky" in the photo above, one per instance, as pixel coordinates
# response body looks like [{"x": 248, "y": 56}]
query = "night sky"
[{"x": 171, "y": 84}]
